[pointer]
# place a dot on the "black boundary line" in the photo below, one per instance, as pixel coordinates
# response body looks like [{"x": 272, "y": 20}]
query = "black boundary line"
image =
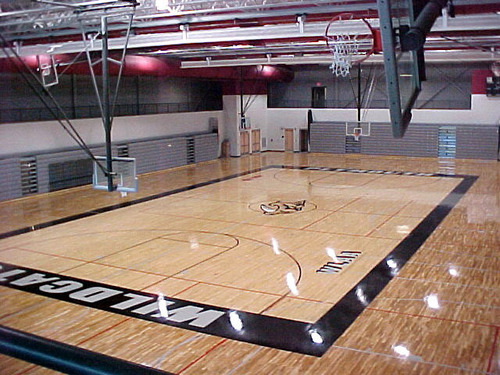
[
  {"x": 124, "y": 204},
  {"x": 287, "y": 334}
]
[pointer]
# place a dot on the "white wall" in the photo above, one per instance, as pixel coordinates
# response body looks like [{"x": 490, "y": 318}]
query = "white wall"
[
  {"x": 484, "y": 111},
  {"x": 231, "y": 123},
  {"x": 48, "y": 135},
  {"x": 22, "y": 138},
  {"x": 256, "y": 112}
]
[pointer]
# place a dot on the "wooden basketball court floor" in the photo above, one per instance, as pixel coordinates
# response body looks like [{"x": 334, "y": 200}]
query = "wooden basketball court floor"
[{"x": 274, "y": 263}]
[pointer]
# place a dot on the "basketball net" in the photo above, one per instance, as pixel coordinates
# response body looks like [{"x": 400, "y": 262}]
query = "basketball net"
[
  {"x": 343, "y": 47},
  {"x": 495, "y": 68},
  {"x": 356, "y": 134},
  {"x": 344, "y": 43}
]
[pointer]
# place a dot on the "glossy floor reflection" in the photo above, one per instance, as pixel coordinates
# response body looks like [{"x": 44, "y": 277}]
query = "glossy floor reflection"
[{"x": 213, "y": 245}]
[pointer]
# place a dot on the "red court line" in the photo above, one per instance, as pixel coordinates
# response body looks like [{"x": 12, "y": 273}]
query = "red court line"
[
  {"x": 432, "y": 317},
  {"x": 29, "y": 368},
  {"x": 434, "y": 241},
  {"x": 187, "y": 242},
  {"x": 390, "y": 217},
  {"x": 317, "y": 221},
  {"x": 493, "y": 349},
  {"x": 202, "y": 356},
  {"x": 272, "y": 304},
  {"x": 103, "y": 331},
  {"x": 430, "y": 249},
  {"x": 332, "y": 211},
  {"x": 174, "y": 277},
  {"x": 80, "y": 343},
  {"x": 185, "y": 289},
  {"x": 266, "y": 225}
]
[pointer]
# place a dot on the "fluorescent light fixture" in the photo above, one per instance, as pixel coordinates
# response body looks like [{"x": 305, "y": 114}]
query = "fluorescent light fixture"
[{"x": 161, "y": 4}]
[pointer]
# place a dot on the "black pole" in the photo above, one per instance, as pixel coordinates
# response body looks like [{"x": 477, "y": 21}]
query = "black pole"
[
  {"x": 65, "y": 358},
  {"x": 105, "y": 102},
  {"x": 241, "y": 92},
  {"x": 137, "y": 97},
  {"x": 73, "y": 95},
  {"x": 414, "y": 39},
  {"x": 359, "y": 92}
]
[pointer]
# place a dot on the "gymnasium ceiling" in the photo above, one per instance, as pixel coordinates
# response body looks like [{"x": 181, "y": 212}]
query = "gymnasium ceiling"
[{"x": 201, "y": 33}]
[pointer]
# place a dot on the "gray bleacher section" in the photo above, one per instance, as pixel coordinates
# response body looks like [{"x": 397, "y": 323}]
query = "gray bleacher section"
[
  {"x": 205, "y": 146},
  {"x": 478, "y": 142},
  {"x": 54, "y": 162},
  {"x": 420, "y": 140},
  {"x": 60, "y": 169},
  {"x": 158, "y": 154},
  {"x": 327, "y": 137},
  {"x": 10, "y": 182}
]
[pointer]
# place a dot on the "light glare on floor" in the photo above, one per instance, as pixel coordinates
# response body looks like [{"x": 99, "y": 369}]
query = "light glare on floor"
[
  {"x": 235, "y": 321},
  {"x": 162, "y": 306},
  {"x": 453, "y": 271},
  {"x": 331, "y": 253},
  {"x": 291, "y": 283},
  {"x": 276, "y": 246},
  {"x": 315, "y": 336},
  {"x": 401, "y": 350},
  {"x": 432, "y": 301}
]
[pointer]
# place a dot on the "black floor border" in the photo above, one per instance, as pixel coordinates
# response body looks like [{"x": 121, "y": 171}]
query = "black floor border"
[
  {"x": 301, "y": 337},
  {"x": 124, "y": 204}
]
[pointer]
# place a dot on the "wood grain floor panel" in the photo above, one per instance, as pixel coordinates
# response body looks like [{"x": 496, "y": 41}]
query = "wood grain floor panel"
[{"x": 212, "y": 245}]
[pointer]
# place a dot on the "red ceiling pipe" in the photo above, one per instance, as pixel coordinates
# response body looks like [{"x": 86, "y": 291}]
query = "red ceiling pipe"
[{"x": 158, "y": 67}]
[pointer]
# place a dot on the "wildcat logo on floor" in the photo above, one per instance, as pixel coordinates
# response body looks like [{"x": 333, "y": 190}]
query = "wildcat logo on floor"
[{"x": 279, "y": 207}]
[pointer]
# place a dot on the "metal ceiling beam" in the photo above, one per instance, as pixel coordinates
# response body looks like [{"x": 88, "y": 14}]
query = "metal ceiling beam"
[
  {"x": 444, "y": 56},
  {"x": 235, "y": 35}
]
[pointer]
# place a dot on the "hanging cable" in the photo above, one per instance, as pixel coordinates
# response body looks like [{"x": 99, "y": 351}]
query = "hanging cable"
[
  {"x": 122, "y": 63},
  {"x": 73, "y": 132}
]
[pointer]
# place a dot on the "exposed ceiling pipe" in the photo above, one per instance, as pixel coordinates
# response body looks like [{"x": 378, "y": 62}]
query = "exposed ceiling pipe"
[{"x": 159, "y": 67}]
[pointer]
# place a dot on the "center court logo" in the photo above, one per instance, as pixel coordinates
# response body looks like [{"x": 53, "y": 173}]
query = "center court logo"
[
  {"x": 282, "y": 207},
  {"x": 279, "y": 207}
]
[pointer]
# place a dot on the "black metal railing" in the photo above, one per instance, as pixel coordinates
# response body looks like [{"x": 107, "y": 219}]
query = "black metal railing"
[
  {"x": 65, "y": 358},
  {"x": 93, "y": 111},
  {"x": 374, "y": 104}
]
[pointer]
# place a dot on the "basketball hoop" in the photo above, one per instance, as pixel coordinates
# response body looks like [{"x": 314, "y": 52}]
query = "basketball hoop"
[
  {"x": 356, "y": 134},
  {"x": 495, "y": 68},
  {"x": 351, "y": 41},
  {"x": 357, "y": 129}
]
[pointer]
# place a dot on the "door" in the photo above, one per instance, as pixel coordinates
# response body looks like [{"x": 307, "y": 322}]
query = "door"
[
  {"x": 318, "y": 97},
  {"x": 288, "y": 139},
  {"x": 244, "y": 143},
  {"x": 256, "y": 140},
  {"x": 304, "y": 140}
]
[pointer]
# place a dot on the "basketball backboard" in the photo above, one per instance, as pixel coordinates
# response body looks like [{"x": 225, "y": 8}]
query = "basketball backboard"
[
  {"x": 401, "y": 67},
  {"x": 357, "y": 129},
  {"x": 124, "y": 174}
]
